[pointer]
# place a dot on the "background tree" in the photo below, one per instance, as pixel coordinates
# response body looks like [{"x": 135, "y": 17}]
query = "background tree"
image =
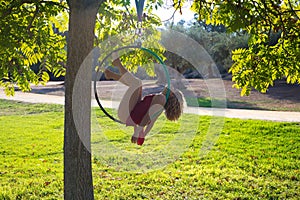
[
  {"x": 264, "y": 60},
  {"x": 218, "y": 44}
]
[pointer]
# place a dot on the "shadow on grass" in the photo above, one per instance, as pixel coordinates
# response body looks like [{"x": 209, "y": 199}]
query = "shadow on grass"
[
  {"x": 283, "y": 91},
  {"x": 8, "y": 107},
  {"x": 219, "y": 103}
]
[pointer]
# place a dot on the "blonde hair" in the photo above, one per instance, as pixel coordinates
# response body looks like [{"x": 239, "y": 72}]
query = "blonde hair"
[{"x": 174, "y": 105}]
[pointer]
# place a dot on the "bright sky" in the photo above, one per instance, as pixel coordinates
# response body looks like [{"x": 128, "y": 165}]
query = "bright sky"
[{"x": 167, "y": 11}]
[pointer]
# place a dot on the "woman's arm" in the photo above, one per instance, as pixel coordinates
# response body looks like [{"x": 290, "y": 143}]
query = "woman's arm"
[
  {"x": 138, "y": 130},
  {"x": 142, "y": 134},
  {"x": 155, "y": 111},
  {"x": 149, "y": 126}
]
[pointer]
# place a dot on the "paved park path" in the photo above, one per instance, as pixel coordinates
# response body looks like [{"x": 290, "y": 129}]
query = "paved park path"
[{"x": 230, "y": 113}]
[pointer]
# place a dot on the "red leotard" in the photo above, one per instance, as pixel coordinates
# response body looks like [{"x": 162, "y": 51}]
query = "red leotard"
[{"x": 139, "y": 111}]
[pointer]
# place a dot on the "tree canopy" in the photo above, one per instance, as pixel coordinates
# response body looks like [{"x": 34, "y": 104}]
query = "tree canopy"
[
  {"x": 118, "y": 27},
  {"x": 264, "y": 60},
  {"x": 33, "y": 32},
  {"x": 27, "y": 37}
]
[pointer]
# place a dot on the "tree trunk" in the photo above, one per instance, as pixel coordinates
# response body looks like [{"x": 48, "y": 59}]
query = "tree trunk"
[{"x": 78, "y": 183}]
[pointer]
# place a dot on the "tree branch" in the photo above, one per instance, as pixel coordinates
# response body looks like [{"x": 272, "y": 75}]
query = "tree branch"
[
  {"x": 176, "y": 9},
  {"x": 294, "y": 11},
  {"x": 130, "y": 15},
  {"x": 32, "y": 19}
]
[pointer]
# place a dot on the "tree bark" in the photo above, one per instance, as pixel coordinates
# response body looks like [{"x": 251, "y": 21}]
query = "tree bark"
[{"x": 78, "y": 183}]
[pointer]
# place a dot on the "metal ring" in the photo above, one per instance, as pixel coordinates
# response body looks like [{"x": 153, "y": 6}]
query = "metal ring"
[{"x": 116, "y": 50}]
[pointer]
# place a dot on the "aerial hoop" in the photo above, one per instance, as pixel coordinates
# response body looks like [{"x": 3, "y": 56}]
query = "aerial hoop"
[{"x": 98, "y": 75}]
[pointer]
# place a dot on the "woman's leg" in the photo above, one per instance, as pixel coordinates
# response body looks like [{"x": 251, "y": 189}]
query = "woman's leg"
[
  {"x": 127, "y": 78},
  {"x": 117, "y": 63},
  {"x": 132, "y": 96},
  {"x": 111, "y": 75}
]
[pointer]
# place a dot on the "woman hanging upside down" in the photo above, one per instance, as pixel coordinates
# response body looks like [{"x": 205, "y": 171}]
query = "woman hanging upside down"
[{"x": 141, "y": 113}]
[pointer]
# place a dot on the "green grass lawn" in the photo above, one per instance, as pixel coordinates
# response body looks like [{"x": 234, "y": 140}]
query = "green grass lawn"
[
  {"x": 250, "y": 160},
  {"x": 271, "y": 105}
]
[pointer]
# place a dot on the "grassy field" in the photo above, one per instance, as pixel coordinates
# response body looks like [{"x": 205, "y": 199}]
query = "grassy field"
[{"x": 250, "y": 159}]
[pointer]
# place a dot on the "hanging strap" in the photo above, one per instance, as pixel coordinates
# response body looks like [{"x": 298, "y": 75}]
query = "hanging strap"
[{"x": 139, "y": 9}]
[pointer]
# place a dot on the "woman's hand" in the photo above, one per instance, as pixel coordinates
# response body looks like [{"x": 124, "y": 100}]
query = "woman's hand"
[{"x": 140, "y": 141}]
